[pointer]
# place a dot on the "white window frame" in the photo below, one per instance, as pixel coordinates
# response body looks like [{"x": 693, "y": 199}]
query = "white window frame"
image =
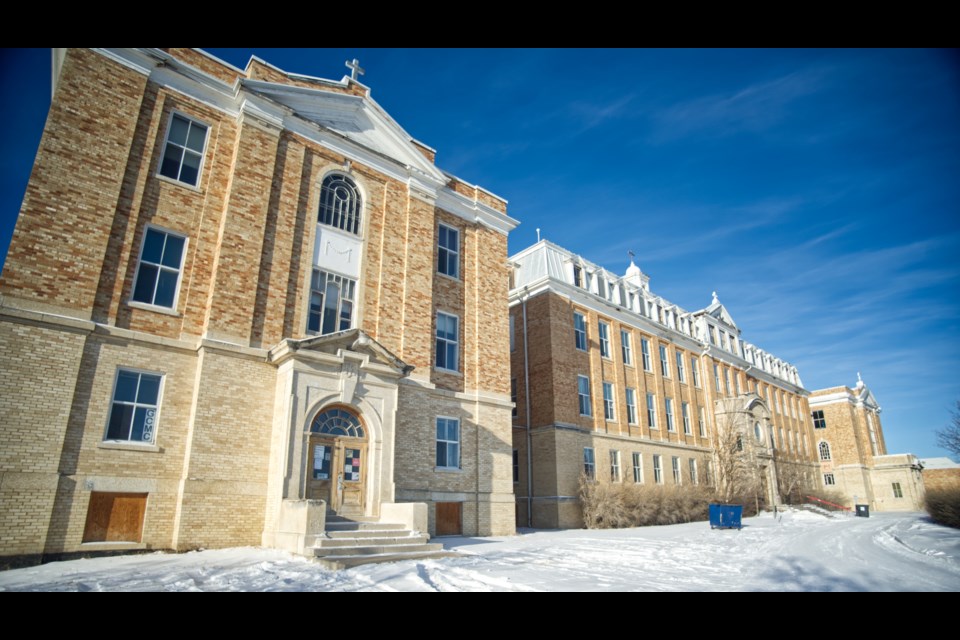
[
  {"x": 583, "y": 397},
  {"x": 829, "y": 480},
  {"x": 658, "y": 468},
  {"x": 668, "y": 407},
  {"x": 681, "y": 372},
  {"x": 638, "y": 467},
  {"x": 692, "y": 468},
  {"x": 609, "y": 405},
  {"x": 203, "y": 154},
  {"x": 824, "y": 452},
  {"x": 685, "y": 416},
  {"x": 625, "y": 349},
  {"x": 677, "y": 472},
  {"x": 447, "y": 342},
  {"x": 580, "y": 335},
  {"x": 702, "y": 422},
  {"x": 136, "y": 277},
  {"x": 615, "y": 475},
  {"x": 341, "y": 283},
  {"x": 897, "y": 489},
  {"x": 645, "y": 355},
  {"x": 113, "y": 400},
  {"x": 603, "y": 331},
  {"x": 631, "y": 396},
  {"x": 695, "y": 370},
  {"x": 454, "y": 252},
  {"x": 664, "y": 361},
  {"x": 716, "y": 377},
  {"x": 589, "y": 463},
  {"x": 651, "y": 411},
  {"x": 448, "y": 443},
  {"x": 726, "y": 380}
]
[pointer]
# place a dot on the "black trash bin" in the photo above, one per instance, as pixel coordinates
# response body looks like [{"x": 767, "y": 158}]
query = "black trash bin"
[{"x": 863, "y": 511}]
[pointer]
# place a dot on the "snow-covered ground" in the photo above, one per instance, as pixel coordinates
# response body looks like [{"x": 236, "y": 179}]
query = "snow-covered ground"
[{"x": 800, "y": 551}]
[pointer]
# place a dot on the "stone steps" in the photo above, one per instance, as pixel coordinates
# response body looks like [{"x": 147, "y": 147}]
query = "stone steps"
[
  {"x": 378, "y": 549},
  {"x": 347, "y": 561},
  {"x": 352, "y": 541},
  {"x": 407, "y": 537}
]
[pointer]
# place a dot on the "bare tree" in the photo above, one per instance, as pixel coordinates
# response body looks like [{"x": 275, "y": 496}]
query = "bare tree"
[
  {"x": 949, "y": 436},
  {"x": 793, "y": 478},
  {"x": 737, "y": 464}
]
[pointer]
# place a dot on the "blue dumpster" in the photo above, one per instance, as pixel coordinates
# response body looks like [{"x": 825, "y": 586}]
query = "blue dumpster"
[{"x": 726, "y": 516}]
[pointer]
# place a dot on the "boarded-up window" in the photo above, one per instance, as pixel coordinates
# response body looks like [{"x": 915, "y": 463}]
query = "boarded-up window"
[
  {"x": 115, "y": 517},
  {"x": 449, "y": 519}
]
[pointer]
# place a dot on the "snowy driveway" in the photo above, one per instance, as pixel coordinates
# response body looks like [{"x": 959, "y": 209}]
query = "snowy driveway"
[{"x": 799, "y": 552}]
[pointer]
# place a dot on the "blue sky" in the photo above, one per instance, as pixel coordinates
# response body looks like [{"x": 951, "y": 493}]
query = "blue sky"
[{"x": 818, "y": 192}]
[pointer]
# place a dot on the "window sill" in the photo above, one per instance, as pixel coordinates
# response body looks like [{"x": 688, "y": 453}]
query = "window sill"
[
  {"x": 130, "y": 446},
  {"x": 155, "y": 308},
  {"x": 447, "y": 470},
  {"x": 449, "y": 277},
  {"x": 449, "y": 372},
  {"x": 185, "y": 185}
]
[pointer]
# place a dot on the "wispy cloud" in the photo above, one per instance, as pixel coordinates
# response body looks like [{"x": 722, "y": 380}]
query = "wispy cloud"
[{"x": 753, "y": 108}]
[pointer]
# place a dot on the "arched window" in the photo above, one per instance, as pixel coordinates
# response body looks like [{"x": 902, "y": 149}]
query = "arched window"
[
  {"x": 824, "y": 451},
  {"x": 337, "y": 422},
  {"x": 340, "y": 203}
]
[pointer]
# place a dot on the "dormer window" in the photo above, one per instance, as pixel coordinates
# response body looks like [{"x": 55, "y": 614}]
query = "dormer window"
[
  {"x": 340, "y": 204},
  {"x": 577, "y": 276}
]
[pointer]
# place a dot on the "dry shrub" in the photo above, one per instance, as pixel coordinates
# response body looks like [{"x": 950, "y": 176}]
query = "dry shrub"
[
  {"x": 608, "y": 505},
  {"x": 943, "y": 505},
  {"x": 829, "y": 496}
]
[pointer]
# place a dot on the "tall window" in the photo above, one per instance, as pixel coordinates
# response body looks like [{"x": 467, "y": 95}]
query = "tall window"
[
  {"x": 448, "y": 342},
  {"x": 707, "y": 473},
  {"x": 580, "y": 331},
  {"x": 693, "y": 470},
  {"x": 331, "y": 303},
  {"x": 658, "y": 469},
  {"x": 589, "y": 464},
  {"x": 716, "y": 377},
  {"x": 681, "y": 373},
  {"x": 614, "y": 465},
  {"x": 675, "y": 463},
  {"x": 577, "y": 276},
  {"x": 516, "y": 466},
  {"x": 631, "y": 406},
  {"x": 669, "y": 407},
  {"x": 824, "y": 449},
  {"x": 340, "y": 204},
  {"x": 513, "y": 333},
  {"x": 685, "y": 414},
  {"x": 513, "y": 395},
  {"x": 702, "y": 422},
  {"x": 645, "y": 353},
  {"x": 637, "y": 468},
  {"x": 583, "y": 395},
  {"x": 736, "y": 382},
  {"x": 603, "y": 329},
  {"x": 158, "y": 273},
  {"x": 183, "y": 151},
  {"x": 874, "y": 449},
  {"x": 448, "y": 251},
  {"x": 819, "y": 422},
  {"x": 828, "y": 480},
  {"x": 664, "y": 363},
  {"x": 897, "y": 490},
  {"x": 726, "y": 379},
  {"x": 625, "y": 348},
  {"x": 608, "y": 403},
  {"x": 651, "y": 411},
  {"x": 136, "y": 401},
  {"x": 448, "y": 443},
  {"x": 695, "y": 371}
]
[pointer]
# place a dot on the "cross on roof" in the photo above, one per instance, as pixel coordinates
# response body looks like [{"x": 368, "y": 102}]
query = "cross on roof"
[{"x": 355, "y": 68}]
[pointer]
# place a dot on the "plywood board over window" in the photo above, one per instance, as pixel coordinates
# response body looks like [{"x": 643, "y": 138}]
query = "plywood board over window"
[
  {"x": 449, "y": 519},
  {"x": 115, "y": 517}
]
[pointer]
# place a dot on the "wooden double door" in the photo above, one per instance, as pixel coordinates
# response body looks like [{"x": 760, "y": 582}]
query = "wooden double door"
[{"x": 338, "y": 473}]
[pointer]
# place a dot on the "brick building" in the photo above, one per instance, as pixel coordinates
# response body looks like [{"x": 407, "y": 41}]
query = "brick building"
[
  {"x": 853, "y": 454},
  {"x": 232, "y": 290},
  {"x": 628, "y": 385}
]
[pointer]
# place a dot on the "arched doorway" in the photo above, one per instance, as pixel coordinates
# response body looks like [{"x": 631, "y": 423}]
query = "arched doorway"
[{"x": 338, "y": 460}]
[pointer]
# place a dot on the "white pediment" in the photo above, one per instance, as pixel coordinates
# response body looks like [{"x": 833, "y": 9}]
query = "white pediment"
[
  {"x": 719, "y": 312},
  {"x": 359, "y": 119}
]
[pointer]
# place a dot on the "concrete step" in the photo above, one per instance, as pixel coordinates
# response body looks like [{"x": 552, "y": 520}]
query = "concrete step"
[
  {"x": 408, "y": 538},
  {"x": 362, "y": 526},
  {"x": 345, "y": 562},
  {"x": 334, "y": 517},
  {"x": 390, "y": 531},
  {"x": 366, "y": 550}
]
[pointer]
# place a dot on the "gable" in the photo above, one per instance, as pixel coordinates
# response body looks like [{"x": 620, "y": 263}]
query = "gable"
[
  {"x": 353, "y": 340},
  {"x": 720, "y": 313},
  {"x": 358, "y": 119}
]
